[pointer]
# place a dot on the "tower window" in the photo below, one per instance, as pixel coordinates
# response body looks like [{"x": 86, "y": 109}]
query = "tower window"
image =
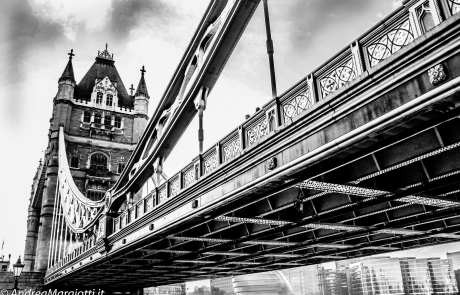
[
  {"x": 97, "y": 118},
  {"x": 95, "y": 195},
  {"x": 108, "y": 120},
  {"x": 86, "y": 117},
  {"x": 121, "y": 166},
  {"x": 99, "y": 97},
  {"x": 109, "y": 99},
  {"x": 74, "y": 162},
  {"x": 118, "y": 122},
  {"x": 98, "y": 162}
]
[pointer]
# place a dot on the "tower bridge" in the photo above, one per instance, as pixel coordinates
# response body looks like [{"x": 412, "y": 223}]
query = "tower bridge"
[{"x": 360, "y": 157}]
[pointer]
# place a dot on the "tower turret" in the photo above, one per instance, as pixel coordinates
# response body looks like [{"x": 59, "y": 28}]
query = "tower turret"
[
  {"x": 67, "y": 81},
  {"x": 141, "y": 107}
]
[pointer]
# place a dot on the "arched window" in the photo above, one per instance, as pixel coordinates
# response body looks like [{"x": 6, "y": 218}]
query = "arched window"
[
  {"x": 99, "y": 97},
  {"x": 118, "y": 122},
  {"x": 95, "y": 195},
  {"x": 107, "y": 120},
  {"x": 98, "y": 162},
  {"x": 121, "y": 166},
  {"x": 97, "y": 118},
  {"x": 86, "y": 117},
  {"x": 109, "y": 100}
]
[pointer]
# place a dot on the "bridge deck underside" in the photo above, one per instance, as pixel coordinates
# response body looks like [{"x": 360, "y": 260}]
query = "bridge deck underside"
[{"x": 394, "y": 191}]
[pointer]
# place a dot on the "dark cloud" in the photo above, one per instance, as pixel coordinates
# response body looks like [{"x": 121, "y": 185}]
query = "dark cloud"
[
  {"x": 129, "y": 14},
  {"x": 22, "y": 32}
]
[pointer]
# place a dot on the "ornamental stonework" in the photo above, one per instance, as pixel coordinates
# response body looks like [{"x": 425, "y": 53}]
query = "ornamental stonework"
[
  {"x": 272, "y": 163},
  {"x": 437, "y": 74}
]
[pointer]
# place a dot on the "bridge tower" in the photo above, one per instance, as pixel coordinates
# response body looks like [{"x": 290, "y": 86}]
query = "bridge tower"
[{"x": 102, "y": 122}]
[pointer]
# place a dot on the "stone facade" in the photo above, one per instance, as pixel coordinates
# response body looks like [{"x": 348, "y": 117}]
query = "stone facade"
[{"x": 98, "y": 116}]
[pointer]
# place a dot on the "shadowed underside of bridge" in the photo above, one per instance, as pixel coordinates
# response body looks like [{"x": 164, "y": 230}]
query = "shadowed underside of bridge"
[{"x": 373, "y": 167}]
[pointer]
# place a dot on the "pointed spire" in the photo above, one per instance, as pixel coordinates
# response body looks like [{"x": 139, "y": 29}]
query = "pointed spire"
[
  {"x": 131, "y": 90},
  {"x": 142, "y": 88},
  {"x": 68, "y": 71}
]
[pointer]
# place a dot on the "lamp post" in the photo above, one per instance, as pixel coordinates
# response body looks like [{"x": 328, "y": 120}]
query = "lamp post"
[{"x": 17, "y": 269}]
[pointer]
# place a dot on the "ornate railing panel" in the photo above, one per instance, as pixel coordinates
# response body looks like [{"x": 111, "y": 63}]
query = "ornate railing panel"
[
  {"x": 337, "y": 77},
  {"x": 162, "y": 194},
  {"x": 297, "y": 104},
  {"x": 454, "y": 6},
  {"x": 132, "y": 214},
  {"x": 257, "y": 130},
  {"x": 231, "y": 148},
  {"x": 140, "y": 209},
  {"x": 174, "y": 186},
  {"x": 116, "y": 224},
  {"x": 149, "y": 203},
  {"x": 123, "y": 219},
  {"x": 210, "y": 161},
  {"x": 390, "y": 42},
  {"x": 189, "y": 176}
]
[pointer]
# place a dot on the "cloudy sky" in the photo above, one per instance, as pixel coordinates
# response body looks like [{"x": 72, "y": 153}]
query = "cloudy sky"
[{"x": 36, "y": 35}]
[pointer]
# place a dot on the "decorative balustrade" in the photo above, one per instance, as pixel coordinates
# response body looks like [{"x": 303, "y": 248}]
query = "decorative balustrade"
[
  {"x": 454, "y": 6},
  {"x": 231, "y": 147},
  {"x": 341, "y": 71},
  {"x": 256, "y": 130},
  {"x": 296, "y": 103},
  {"x": 174, "y": 186},
  {"x": 189, "y": 175},
  {"x": 210, "y": 161},
  {"x": 391, "y": 41},
  {"x": 387, "y": 38},
  {"x": 376, "y": 45},
  {"x": 162, "y": 193}
]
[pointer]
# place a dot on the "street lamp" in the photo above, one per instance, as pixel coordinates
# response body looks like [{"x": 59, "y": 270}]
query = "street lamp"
[{"x": 17, "y": 269}]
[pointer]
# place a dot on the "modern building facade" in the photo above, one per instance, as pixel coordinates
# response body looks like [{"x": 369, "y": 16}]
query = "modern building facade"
[
  {"x": 169, "y": 289},
  {"x": 304, "y": 280},
  {"x": 224, "y": 285},
  {"x": 266, "y": 283},
  {"x": 376, "y": 275},
  {"x": 333, "y": 282},
  {"x": 416, "y": 276},
  {"x": 442, "y": 276},
  {"x": 455, "y": 258}
]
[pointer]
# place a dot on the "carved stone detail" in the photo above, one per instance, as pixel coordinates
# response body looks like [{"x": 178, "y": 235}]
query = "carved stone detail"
[
  {"x": 272, "y": 163},
  {"x": 436, "y": 74}
]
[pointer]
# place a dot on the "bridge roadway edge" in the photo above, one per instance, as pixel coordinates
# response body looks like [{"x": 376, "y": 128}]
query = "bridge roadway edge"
[{"x": 301, "y": 121}]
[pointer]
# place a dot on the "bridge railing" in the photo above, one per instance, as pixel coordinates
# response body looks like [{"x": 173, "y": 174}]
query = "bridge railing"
[{"x": 386, "y": 38}]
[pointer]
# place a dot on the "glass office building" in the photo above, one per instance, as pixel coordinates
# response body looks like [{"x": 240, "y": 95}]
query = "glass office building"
[
  {"x": 266, "y": 283},
  {"x": 375, "y": 275},
  {"x": 304, "y": 280},
  {"x": 442, "y": 276},
  {"x": 223, "y": 284},
  {"x": 416, "y": 276},
  {"x": 333, "y": 282}
]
